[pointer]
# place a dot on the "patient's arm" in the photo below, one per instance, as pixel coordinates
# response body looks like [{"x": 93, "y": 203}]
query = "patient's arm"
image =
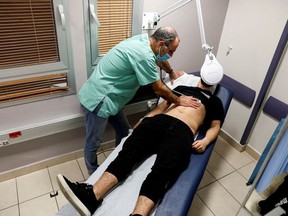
[{"x": 211, "y": 134}]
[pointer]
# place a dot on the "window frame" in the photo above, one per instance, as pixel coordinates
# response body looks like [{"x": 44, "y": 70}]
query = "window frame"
[
  {"x": 65, "y": 65},
  {"x": 91, "y": 37}
]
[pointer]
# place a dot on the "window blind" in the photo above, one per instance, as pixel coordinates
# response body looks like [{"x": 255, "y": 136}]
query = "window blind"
[
  {"x": 28, "y": 38},
  {"x": 28, "y": 35},
  {"x": 32, "y": 87},
  {"x": 116, "y": 22}
]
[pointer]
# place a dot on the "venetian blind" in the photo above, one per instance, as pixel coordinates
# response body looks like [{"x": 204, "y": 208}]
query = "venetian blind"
[
  {"x": 28, "y": 37},
  {"x": 33, "y": 87},
  {"x": 116, "y": 22}
]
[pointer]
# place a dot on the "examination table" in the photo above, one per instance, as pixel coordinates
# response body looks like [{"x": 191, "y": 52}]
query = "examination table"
[{"x": 176, "y": 202}]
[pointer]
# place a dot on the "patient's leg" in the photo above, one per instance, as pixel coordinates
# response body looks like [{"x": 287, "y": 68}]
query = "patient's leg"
[
  {"x": 143, "y": 206},
  {"x": 106, "y": 182}
]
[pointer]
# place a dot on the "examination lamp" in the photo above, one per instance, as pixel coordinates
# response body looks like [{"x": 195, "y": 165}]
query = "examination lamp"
[{"x": 151, "y": 19}]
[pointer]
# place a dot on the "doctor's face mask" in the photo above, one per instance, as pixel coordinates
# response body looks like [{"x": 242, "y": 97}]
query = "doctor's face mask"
[{"x": 165, "y": 57}]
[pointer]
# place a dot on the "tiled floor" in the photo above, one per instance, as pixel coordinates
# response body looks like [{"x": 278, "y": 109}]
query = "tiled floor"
[{"x": 221, "y": 191}]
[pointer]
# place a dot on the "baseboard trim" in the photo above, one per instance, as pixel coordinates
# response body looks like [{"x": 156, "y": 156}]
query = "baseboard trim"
[
  {"x": 252, "y": 152},
  {"x": 232, "y": 141}
]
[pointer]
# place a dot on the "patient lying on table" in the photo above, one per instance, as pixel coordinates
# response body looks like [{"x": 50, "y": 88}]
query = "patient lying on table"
[{"x": 167, "y": 131}]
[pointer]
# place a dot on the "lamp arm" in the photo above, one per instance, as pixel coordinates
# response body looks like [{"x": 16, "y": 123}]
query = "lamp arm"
[
  {"x": 173, "y": 8},
  {"x": 180, "y": 4},
  {"x": 153, "y": 18},
  {"x": 205, "y": 46}
]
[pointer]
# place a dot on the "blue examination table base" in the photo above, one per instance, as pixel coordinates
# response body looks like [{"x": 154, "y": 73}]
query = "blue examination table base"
[{"x": 177, "y": 200}]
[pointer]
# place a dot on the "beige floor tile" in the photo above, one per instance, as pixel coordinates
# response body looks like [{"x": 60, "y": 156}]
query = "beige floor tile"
[
  {"x": 61, "y": 200},
  {"x": 231, "y": 155},
  {"x": 236, "y": 185},
  {"x": 198, "y": 208},
  {"x": 12, "y": 211},
  {"x": 101, "y": 158},
  {"x": 218, "y": 167},
  {"x": 207, "y": 179},
  {"x": 247, "y": 170},
  {"x": 218, "y": 200},
  {"x": 81, "y": 162},
  {"x": 40, "y": 206},
  {"x": 108, "y": 152},
  {"x": 8, "y": 195},
  {"x": 69, "y": 169},
  {"x": 83, "y": 168},
  {"x": 33, "y": 185},
  {"x": 249, "y": 156}
]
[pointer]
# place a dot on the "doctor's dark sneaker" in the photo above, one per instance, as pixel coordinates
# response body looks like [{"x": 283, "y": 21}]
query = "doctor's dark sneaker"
[{"x": 80, "y": 195}]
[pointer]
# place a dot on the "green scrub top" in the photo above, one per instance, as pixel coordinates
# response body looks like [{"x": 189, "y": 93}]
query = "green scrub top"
[{"x": 118, "y": 75}]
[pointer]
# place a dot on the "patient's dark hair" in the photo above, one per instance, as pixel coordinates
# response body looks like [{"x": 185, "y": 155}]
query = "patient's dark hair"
[
  {"x": 205, "y": 84},
  {"x": 167, "y": 34}
]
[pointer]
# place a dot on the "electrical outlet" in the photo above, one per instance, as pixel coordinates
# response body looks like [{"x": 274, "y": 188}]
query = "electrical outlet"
[{"x": 4, "y": 142}]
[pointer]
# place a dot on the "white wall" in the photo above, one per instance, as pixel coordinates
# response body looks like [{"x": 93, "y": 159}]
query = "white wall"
[
  {"x": 253, "y": 29},
  {"x": 265, "y": 125}
]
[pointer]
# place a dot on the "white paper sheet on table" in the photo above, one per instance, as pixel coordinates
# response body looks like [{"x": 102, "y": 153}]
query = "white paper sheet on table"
[{"x": 122, "y": 199}]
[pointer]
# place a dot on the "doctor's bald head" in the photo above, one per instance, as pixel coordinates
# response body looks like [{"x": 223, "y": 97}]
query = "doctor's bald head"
[{"x": 167, "y": 34}]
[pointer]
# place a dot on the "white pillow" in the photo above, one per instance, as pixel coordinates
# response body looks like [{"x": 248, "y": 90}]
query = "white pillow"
[{"x": 185, "y": 79}]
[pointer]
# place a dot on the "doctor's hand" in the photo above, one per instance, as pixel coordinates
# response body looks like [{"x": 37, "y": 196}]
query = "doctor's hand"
[{"x": 189, "y": 101}]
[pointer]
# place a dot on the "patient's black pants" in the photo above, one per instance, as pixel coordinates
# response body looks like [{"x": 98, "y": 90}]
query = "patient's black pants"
[{"x": 166, "y": 136}]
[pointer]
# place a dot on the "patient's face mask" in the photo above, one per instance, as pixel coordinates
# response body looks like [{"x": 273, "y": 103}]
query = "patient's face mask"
[{"x": 165, "y": 57}]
